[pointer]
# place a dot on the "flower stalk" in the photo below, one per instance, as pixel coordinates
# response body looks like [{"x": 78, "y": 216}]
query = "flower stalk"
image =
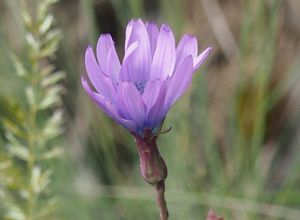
[
  {"x": 153, "y": 167},
  {"x": 160, "y": 199}
]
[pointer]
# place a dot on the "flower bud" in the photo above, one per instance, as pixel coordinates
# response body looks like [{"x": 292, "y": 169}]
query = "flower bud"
[{"x": 152, "y": 165}]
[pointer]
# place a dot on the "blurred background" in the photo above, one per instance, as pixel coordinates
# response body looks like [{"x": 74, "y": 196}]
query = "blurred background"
[{"x": 235, "y": 142}]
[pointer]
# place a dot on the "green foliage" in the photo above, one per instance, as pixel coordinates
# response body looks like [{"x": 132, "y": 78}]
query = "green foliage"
[{"x": 31, "y": 127}]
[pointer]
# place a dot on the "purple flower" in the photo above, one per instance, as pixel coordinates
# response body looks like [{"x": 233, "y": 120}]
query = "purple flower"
[{"x": 154, "y": 73}]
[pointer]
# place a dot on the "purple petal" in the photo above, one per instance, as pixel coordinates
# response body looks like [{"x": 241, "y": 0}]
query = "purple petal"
[
  {"x": 107, "y": 56},
  {"x": 154, "y": 98},
  {"x": 179, "y": 81},
  {"x": 126, "y": 71},
  {"x": 101, "y": 82},
  {"x": 153, "y": 35},
  {"x": 92, "y": 68},
  {"x": 127, "y": 123},
  {"x": 108, "y": 107},
  {"x": 187, "y": 46},
  {"x": 98, "y": 98},
  {"x": 201, "y": 58},
  {"x": 128, "y": 34},
  {"x": 140, "y": 59},
  {"x": 113, "y": 67},
  {"x": 151, "y": 93},
  {"x": 131, "y": 103},
  {"x": 164, "y": 57},
  {"x": 130, "y": 50}
]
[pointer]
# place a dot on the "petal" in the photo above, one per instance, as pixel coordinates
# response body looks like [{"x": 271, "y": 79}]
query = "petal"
[
  {"x": 154, "y": 97},
  {"x": 126, "y": 72},
  {"x": 201, "y": 58},
  {"x": 127, "y": 123},
  {"x": 101, "y": 82},
  {"x": 108, "y": 107},
  {"x": 113, "y": 66},
  {"x": 130, "y": 50},
  {"x": 180, "y": 81},
  {"x": 153, "y": 35},
  {"x": 164, "y": 57},
  {"x": 128, "y": 34},
  {"x": 92, "y": 68},
  {"x": 187, "y": 46},
  {"x": 107, "y": 56},
  {"x": 151, "y": 93},
  {"x": 131, "y": 103},
  {"x": 98, "y": 98},
  {"x": 108, "y": 89},
  {"x": 140, "y": 58}
]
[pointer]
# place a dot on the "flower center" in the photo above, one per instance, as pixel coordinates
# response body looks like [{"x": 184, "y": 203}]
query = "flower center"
[{"x": 140, "y": 86}]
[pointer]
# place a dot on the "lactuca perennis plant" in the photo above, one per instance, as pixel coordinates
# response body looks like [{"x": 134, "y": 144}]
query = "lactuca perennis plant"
[
  {"x": 139, "y": 92},
  {"x": 38, "y": 119}
]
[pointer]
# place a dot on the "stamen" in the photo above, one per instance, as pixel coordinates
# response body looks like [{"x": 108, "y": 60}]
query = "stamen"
[{"x": 140, "y": 86}]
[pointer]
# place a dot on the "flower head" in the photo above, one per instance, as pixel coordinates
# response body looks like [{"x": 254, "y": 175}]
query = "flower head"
[{"x": 154, "y": 73}]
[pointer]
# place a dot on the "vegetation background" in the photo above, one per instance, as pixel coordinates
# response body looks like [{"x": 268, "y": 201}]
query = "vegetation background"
[{"x": 235, "y": 142}]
